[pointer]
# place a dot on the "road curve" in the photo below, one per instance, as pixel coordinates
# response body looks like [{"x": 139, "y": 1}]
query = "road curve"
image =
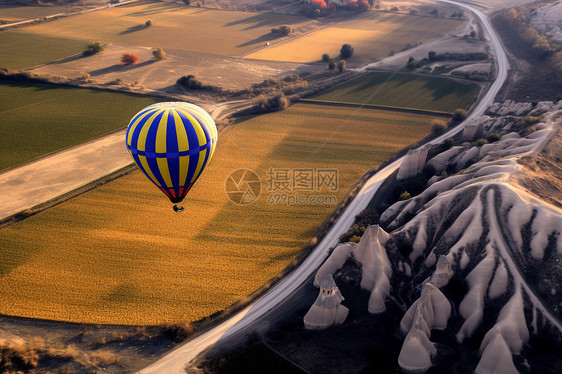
[{"x": 175, "y": 361}]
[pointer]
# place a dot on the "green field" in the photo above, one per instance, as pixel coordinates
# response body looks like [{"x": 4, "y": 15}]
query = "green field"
[
  {"x": 40, "y": 119},
  {"x": 404, "y": 90},
  {"x": 22, "y": 50},
  {"x": 119, "y": 254},
  {"x": 373, "y": 35},
  {"x": 174, "y": 26}
]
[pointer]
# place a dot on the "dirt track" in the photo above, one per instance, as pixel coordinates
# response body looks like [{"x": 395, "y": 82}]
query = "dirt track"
[{"x": 42, "y": 180}]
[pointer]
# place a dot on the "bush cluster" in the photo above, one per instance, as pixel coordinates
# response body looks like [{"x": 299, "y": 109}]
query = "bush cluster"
[
  {"x": 93, "y": 48},
  {"x": 192, "y": 83},
  {"x": 283, "y": 30}
]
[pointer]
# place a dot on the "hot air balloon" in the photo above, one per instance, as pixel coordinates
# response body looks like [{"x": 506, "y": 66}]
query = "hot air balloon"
[{"x": 172, "y": 143}]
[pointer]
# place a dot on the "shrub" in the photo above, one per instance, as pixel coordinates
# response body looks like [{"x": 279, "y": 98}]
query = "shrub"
[
  {"x": 187, "y": 2},
  {"x": 279, "y": 102},
  {"x": 85, "y": 78},
  {"x": 413, "y": 12},
  {"x": 356, "y": 230},
  {"x": 346, "y": 51},
  {"x": 148, "y": 23},
  {"x": 449, "y": 142},
  {"x": 431, "y": 55},
  {"x": 341, "y": 66},
  {"x": 159, "y": 54},
  {"x": 405, "y": 195},
  {"x": 326, "y": 57},
  {"x": 530, "y": 120},
  {"x": 332, "y": 65},
  {"x": 459, "y": 115},
  {"x": 438, "y": 127},
  {"x": 129, "y": 59},
  {"x": 273, "y": 104},
  {"x": 283, "y": 30},
  {"x": 363, "y": 6},
  {"x": 394, "y": 8},
  {"x": 480, "y": 142},
  {"x": 177, "y": 332},
  {"x": 355, "y": 239},
  {"x": 189, "y": 81},
  {"x": 93, "y": 48},
  {"x": 493, "y": 137},
  {"x": 473, "y": 34}
]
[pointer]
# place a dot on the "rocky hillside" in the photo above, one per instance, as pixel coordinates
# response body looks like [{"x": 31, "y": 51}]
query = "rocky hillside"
[{"x": 477, "y": 253}]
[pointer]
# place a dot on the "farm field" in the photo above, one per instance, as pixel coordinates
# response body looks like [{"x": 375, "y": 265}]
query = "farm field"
[
  {"x": 390, "y": 89},
  {"x": 40, "y": 119},
  {"x": 119, "y": 254},
  {"x": 20, "y": 13},
  {"x": 26, "y": 50},
  {"x": 373, "y": 36},
  {"x": 194, "y": 29}
]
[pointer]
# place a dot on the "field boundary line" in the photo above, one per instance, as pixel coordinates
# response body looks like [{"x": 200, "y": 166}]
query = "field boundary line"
[{"x": 380, "y": 107}]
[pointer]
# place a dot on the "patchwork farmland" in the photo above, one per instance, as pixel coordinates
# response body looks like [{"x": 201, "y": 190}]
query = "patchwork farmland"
[{"x": 120, "y": 255}]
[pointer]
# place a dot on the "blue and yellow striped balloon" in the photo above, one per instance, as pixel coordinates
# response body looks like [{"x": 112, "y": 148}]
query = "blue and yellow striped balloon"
[{"x": 172, "y": 143}]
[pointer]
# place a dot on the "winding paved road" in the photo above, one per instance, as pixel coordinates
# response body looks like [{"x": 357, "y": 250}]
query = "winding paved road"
[{"x": 175, "y": 361}]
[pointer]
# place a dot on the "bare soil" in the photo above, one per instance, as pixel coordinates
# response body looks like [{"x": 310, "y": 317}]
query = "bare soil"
[
  {"x": 150, "y": 74},
  {"x": 541, "y": 174}
]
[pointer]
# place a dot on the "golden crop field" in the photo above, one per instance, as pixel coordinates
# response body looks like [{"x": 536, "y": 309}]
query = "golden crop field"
[
  {"x": 174, "y": 26},
  {"x": 119, "y": 254},
  {"x": 372, "y": 36}
]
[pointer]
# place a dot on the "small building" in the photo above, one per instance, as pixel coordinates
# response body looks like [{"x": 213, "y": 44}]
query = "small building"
[{"x": 327, "y": 309}]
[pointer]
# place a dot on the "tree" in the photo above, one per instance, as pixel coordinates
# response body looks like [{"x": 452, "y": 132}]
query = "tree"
[
  {"x": 405, "y": 195},
  {"x": 326, "y": 57},
  {"x": 363, "y": 6},
  {"x": 472, "y": 34},
  {"x": 449, "y": 142},
  {"x": 159, "y": 54},
  {"x": 332, "y": 65},
  {"x": 341, "y": 66},
  {"x": 283, "y": 30},
  {"x": 371, "y": 3},
  {"x": 431, "y": 55},
  {"x": 438, "y": 127},
  {"x": 148, "y": 23},
  {"x": 93, "y": 48},
  {"x": 493, "y": 137},
  {"x": 434, "y": 12},
  {"x": 129, "y": 59},
  {"x": 346, "y": 51},
  {"x": 187, "y": 2},
  {"x": 459, "y": 115}
]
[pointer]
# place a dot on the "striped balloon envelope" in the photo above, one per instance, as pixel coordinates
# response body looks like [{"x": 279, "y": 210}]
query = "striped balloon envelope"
[{"x": 172, "y": 143}]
